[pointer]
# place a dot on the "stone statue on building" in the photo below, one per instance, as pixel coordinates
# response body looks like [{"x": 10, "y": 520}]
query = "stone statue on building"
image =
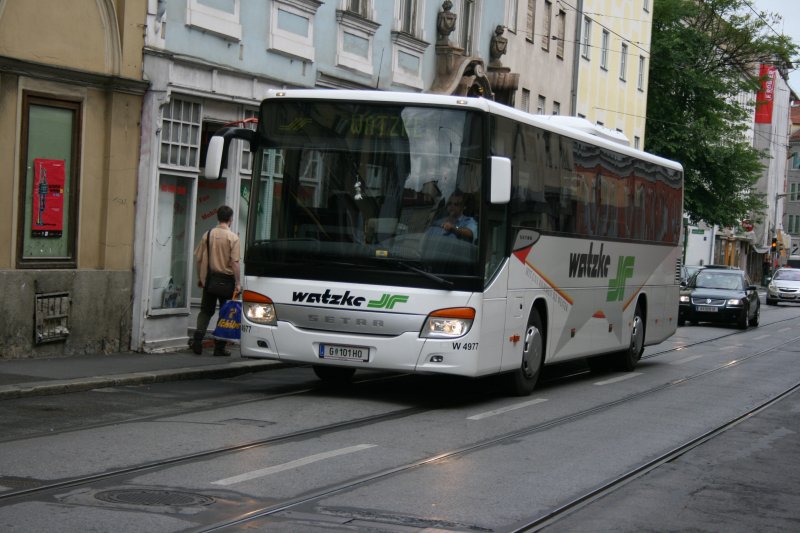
[
  {"x": 445, "y": 23},
  {"x": 497, "y": 47}
]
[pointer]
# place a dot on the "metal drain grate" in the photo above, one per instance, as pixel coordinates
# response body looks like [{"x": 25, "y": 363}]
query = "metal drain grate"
[{"x": 154, "y": 497}]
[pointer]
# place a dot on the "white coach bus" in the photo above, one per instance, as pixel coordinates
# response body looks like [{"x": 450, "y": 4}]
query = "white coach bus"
[{"x": 434, "y": 234}]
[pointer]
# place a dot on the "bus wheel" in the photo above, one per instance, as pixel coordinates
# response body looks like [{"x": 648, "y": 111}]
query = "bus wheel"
[
  {"x": 627, "y": 359},
  {"x": 334, "y": 375},
  {"x": 522, "y": 381}
]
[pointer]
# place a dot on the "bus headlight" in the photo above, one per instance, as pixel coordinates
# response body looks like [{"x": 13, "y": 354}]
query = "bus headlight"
[
  {"x": 258, "y": 308},
  {"x": 448, "y": 323}
]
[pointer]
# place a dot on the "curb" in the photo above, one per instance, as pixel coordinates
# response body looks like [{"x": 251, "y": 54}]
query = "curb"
[{"x": 49, "y": 388}]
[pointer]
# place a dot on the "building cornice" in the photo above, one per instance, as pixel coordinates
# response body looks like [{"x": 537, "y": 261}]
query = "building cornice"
[
  {"x": 42, "y": 71},
  {"x": 210, "y": 66}
]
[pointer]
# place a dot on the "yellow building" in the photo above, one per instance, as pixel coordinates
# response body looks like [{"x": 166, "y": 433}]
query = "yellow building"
[
  {"x": 70, "y": 104},
  {"x": 613, "y": 58}
]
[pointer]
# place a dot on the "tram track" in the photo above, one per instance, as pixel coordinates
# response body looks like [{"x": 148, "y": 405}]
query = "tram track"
[
  {"x": 501, "y": 440},
  {"x": 265, "y": 512},
  {"x": 207, "y": 454},
  {"x": 567, "y": 508},
  {"x": 716, "y": 338},
  {"x": 294, "y": 390}
]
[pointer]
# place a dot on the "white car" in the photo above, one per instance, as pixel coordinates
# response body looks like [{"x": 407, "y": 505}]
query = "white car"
[{"x": 784, "y": 286}]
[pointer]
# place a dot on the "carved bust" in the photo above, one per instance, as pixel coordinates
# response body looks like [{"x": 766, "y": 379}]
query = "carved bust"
[
  {"x": 445, "y": 22},
  {"x": 497, "y": 47}
]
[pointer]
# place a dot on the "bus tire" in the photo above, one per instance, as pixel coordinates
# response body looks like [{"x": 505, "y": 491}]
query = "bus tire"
[
  {"x": 334, "y": 375},
  {"x": 626, "y": 360},
  {"x": 522, "y": 381}
]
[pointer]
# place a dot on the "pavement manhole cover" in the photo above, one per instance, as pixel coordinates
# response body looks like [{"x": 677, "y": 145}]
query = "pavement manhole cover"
[{"x": 154, "y": 497}]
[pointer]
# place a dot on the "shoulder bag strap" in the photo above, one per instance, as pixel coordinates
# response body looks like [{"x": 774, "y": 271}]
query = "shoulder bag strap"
[{"x": 208, "y": 254}]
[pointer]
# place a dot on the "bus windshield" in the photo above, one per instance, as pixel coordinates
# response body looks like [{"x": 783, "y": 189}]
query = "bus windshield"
[{"x": 357, "y": 190}]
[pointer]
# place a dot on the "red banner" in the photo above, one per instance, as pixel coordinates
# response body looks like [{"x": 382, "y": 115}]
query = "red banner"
[
  {"x": 48, "y": 198},
  {"x": 764, "y": 98}
]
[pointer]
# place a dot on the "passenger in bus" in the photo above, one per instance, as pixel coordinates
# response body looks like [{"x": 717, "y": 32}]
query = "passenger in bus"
[{"x": 455, "y": 224}]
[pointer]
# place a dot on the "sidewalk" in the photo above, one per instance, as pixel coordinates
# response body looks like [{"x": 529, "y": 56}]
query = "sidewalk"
[{"x": 20, "y": 378}]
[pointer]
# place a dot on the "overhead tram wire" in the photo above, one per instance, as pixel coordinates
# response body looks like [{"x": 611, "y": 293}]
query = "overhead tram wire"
[
  {"x": 579, "y": 43},
  {"x": 634, "y": 43},
  {"x": 765, "y": 21}
]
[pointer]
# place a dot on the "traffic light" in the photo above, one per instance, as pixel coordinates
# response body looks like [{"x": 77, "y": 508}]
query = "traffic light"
[{"x": 774, "y": 247}]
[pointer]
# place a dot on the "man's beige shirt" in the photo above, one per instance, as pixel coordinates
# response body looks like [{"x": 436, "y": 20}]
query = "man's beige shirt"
[{"x": 224, "y": 251}]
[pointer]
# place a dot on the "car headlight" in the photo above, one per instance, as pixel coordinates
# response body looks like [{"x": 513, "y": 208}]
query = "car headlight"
[
  {"x": 448, "y": 323},
  {"x": 735, "y": 302},
  {"x": 258, "y": 308},
  {"x": 684, "y": 299}
]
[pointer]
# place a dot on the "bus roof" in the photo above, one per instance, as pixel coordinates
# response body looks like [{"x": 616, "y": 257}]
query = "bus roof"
[{"x": 574, "y": 127}]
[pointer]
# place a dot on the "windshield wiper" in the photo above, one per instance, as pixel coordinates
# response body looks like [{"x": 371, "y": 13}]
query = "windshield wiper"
[{"x": 438, "y": 279}]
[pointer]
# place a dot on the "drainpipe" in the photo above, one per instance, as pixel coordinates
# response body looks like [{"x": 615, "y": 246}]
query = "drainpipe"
[{"x": 577, "y": 58}]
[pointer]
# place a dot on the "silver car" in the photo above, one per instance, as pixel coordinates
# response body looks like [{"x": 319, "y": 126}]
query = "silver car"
[{"x": 784, "y": 286}]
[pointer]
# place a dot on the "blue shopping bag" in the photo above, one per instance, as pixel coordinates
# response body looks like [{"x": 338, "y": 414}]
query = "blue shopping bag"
[{"x": 229, "y": 324}]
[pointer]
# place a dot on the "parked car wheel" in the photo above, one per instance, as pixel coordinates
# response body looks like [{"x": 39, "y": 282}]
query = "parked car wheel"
[{"x": 741, "y": 322}]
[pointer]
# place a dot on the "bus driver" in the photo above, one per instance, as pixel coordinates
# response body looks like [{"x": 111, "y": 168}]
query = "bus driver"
[{"x": 456, "y": 224}]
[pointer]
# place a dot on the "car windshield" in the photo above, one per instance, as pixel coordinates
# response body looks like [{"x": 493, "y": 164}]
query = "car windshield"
[
  {"x": 787, "y": 275},
  {"x": 718, "y": 280}
]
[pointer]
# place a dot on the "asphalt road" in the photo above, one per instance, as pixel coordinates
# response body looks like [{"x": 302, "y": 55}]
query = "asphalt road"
[{"x": 409, "y": 453}]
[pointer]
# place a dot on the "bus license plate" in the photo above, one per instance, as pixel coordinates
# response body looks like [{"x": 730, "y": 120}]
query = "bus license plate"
[
  {"x": 349, "y": 353},
  {"x": 706, "y": 309}
]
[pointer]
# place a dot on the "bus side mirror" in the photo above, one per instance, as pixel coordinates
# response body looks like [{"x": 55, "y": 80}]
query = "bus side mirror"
[
  {"x": 500, "y": 180},
  {"x": 217, "y": 155},
  {"x": 216, "y": 148}
]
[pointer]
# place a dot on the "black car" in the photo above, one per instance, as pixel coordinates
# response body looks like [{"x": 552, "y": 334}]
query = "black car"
[{"x": 723, "y": 295}]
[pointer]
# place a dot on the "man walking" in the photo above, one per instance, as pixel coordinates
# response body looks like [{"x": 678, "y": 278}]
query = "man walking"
[{"x": 217, "y": 252}]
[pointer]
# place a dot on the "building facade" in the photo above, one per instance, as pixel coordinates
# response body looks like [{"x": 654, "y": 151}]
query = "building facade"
[
  {"x": 771, "y": 136},
  {"x": 210, "y": 63},
  {"x": 791, "y": 203},
  {"x": 541, "y": 39},
  {"x": 612, "y": 60},
  {"x": 71, "y": 90}
]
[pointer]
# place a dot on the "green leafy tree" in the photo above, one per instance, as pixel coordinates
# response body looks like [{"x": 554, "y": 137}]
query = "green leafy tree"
[{"x": 703, "y": 55}]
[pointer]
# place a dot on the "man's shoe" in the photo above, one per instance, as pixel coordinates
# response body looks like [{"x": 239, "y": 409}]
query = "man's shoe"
[
  {"x": 223, "y": 353},
  {"x": 196, "y": 344}
]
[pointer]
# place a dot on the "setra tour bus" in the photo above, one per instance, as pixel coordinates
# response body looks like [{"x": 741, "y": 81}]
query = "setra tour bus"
[{"x": 437, "y": 234}]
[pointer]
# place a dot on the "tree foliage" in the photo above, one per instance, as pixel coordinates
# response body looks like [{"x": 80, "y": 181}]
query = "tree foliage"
[{"x": 704, "y": 54}]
